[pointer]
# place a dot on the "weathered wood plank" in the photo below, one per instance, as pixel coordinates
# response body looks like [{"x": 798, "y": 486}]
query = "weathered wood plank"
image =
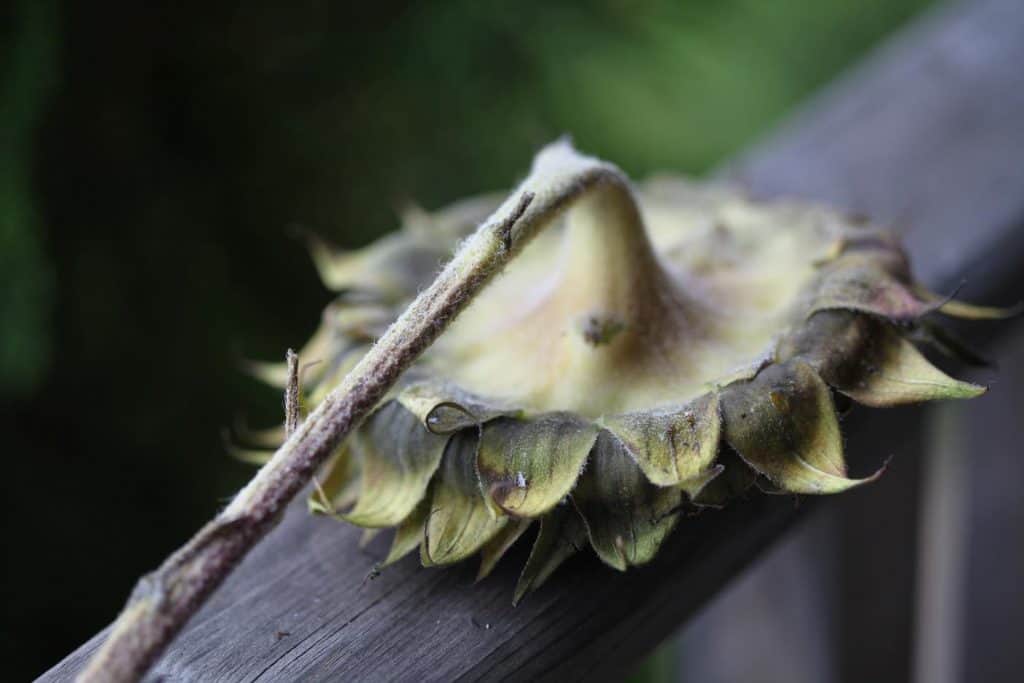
[
  {"x": 929, "y": 133},
  {"x": 302, "y": 607},
  {"x": 938, "y": 156},
  {"x": 993, "y": 605}
]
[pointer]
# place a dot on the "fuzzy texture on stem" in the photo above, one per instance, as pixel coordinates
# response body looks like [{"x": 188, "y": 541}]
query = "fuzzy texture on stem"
[
  {"x": 165, "y": 600},
  {"x": 291, "y": 394}
]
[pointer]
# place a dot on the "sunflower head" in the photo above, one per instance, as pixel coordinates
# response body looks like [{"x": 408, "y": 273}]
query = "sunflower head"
[{"x": 650, "y": 350}]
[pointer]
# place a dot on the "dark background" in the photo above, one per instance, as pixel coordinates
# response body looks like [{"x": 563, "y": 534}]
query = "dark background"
[{"x": 153, "y": 158}]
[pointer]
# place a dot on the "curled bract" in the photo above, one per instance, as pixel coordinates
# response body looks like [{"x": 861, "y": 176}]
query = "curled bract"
[{"x": 650, "y": 350}]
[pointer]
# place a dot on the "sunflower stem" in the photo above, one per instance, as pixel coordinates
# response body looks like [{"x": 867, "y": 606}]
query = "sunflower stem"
[
  {"x": 291, "y": 394},
  {"x": 165, "y": 600}
]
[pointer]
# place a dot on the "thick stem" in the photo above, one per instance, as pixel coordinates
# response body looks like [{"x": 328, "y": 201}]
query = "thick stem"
[{"x": 165, "y": 600}]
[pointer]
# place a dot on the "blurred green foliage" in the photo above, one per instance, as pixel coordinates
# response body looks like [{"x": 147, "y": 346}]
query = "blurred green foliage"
[
  {"x": 453, "y": 98},
  {"x": 661, "y": 666},
  {"x": 145, "y": 201},
  {"x": 27, "y": 71}
]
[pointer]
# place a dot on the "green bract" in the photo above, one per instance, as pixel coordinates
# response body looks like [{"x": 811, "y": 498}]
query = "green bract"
[{"x": 653, "y": 349}]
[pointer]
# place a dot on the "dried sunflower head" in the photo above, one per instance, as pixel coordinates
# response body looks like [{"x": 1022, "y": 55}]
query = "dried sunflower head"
[{"x": 652, "y": 349}]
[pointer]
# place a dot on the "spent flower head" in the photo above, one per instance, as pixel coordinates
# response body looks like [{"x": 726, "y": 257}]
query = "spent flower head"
[{"x": 650, "y": 350}]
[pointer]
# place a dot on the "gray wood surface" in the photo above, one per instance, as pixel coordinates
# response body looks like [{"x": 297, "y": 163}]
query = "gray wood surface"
[
  {"x": 991, "y": 600},
  {"x": 929, "y": 133}
]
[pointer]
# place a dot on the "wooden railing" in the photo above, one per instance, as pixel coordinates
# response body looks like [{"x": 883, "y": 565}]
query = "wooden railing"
[{"x": 929, "y": 134}]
